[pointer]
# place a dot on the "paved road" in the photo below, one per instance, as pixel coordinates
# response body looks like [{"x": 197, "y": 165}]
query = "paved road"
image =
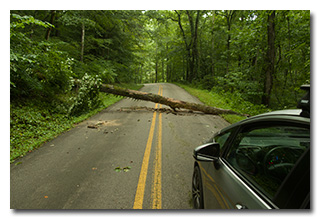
[{"x": 121, "y": 158}]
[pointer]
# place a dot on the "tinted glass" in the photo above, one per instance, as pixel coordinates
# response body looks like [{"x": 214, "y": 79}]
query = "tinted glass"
[
  {"x": 265, "y": 156},
  {"x": 221, "y": 139}
]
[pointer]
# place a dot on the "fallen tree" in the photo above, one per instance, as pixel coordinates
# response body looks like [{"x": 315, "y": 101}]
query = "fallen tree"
[{"x": 172, "y": 103}]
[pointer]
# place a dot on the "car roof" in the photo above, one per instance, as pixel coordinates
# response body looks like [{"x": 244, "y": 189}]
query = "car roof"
[
  {"x": 287, "y": 112},
  {"x": 287, "y": 115}
]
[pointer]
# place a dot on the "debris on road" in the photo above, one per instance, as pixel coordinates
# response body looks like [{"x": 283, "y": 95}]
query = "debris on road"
[{"x": 174, "y": 104}]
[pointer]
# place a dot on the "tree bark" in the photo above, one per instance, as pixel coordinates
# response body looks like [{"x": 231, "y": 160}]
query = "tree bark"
[
  {"x": 156, "y": 80},
  {"x": 271, "y": 54},
  {"x": 212, "y": 46},
  {"x": 195, "y": 52},
  {"x": 162, "y": 70},
  {"x": 82, "y": 42},
  {"x": 229, "y": 17},
  {"x": 156, "y": 69},
  {"x": 193, "y": 48},
  {"x": 188, "y": 50},
  {"x": 53, "y": 15},
  {"x": 172, "y": 103}
]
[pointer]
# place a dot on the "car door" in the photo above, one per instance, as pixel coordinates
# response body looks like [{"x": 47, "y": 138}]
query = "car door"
[{"x": 254, "y": 163}]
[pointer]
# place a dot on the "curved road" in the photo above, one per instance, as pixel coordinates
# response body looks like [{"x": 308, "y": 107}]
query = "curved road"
[{"x": 125, "y": 157}]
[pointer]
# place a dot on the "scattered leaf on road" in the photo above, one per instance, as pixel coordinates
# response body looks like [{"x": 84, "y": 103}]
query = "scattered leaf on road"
[{"x": 126, "y": 169}]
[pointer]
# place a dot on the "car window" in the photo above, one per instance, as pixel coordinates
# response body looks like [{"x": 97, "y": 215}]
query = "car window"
[
  {"x": 221, "y": 139},
  {"x": 265, "y": 156}
]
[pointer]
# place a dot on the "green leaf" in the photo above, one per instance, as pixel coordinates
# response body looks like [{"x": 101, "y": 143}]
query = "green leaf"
[{"x": 126, "y": 169}]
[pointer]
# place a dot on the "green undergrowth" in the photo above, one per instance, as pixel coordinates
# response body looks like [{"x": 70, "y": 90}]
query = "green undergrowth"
[
  {"x": 229, "y": 100},
  {"x": 33, "y": 122}
]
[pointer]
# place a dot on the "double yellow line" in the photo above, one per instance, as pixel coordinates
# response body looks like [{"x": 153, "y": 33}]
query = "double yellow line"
[{"x": 156, "y": 184}]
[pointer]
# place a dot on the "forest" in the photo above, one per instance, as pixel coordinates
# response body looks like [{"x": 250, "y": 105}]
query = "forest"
[
  {"x": 257, "y": 56},
  {"x": 263, "y": 55}
]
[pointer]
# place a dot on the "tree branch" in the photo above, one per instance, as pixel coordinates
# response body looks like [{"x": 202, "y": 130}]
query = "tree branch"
[{"x": 172, "y": 103}]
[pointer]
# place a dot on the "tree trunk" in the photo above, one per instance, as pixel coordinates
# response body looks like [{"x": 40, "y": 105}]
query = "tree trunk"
[
  {"x": 195, "y": 51},
  {"x": 229, "y": 17},
  {"x": 167, "y": 63},
  {"x": 212, "y": 46},
  {"x": 162, "y": 70},
  {"x": 53, "y": 14},
  {"x": 193, "y": 47},
  {"x": 188, "y": 50},
  {"x": 82, "y": 42},
  {"x": 172, "y": 103},
  {"x": 271, "y": 54},
  {"x": 156, "y": 78}
]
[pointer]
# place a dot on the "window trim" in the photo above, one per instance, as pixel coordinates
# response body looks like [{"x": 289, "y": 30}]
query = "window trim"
[
  {"x": 234, "y": 131},
  {"x": 229, "y": 139}
]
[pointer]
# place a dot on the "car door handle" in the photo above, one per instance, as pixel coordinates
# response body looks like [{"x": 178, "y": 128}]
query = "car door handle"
[{"x": 239, "y": 206}]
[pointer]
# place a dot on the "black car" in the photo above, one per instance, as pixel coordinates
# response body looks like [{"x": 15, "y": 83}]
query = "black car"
[{"x": 262, "y": 162}]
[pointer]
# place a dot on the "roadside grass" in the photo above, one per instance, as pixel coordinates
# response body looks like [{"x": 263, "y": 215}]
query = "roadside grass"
[
  {"x": 232, "y": 101},
  {"x": 33, "y": 123}
]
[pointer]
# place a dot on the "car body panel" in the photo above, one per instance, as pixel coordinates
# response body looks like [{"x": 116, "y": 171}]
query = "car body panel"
[
  {"x": 218, "y": 193},
  {"x": 223, "y": 186}
]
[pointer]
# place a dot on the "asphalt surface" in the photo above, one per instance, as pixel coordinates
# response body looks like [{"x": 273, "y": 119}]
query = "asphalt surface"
[{"x": 125, "y": 157}]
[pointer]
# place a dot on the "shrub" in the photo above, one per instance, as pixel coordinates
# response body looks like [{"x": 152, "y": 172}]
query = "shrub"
[{"x": 87, "y": 94}]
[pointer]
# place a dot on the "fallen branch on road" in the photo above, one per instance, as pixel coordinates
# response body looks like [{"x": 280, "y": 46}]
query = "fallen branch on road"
[{"x": 172, "y": 103}]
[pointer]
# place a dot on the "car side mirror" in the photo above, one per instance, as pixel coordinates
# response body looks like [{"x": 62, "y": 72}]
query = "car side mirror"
[{"x": 207, "y": 152}]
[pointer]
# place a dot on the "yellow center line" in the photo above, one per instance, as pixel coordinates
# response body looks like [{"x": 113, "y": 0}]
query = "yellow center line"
[
  {"x": 138, "y": 201},
  {"x": 156, "y": 189}
]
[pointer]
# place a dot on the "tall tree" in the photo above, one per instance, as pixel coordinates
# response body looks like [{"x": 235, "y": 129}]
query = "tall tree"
[
  {"x": 262, "y": 56},
  {"x": 229, "y": 15},
  {"x": 82, "y": 41},
  {"x": 270, "y": 59},
  {"x": 52, "y": 19},
  {"x": 191, "y": 41},
  {"x": 213, "y": 44}
]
